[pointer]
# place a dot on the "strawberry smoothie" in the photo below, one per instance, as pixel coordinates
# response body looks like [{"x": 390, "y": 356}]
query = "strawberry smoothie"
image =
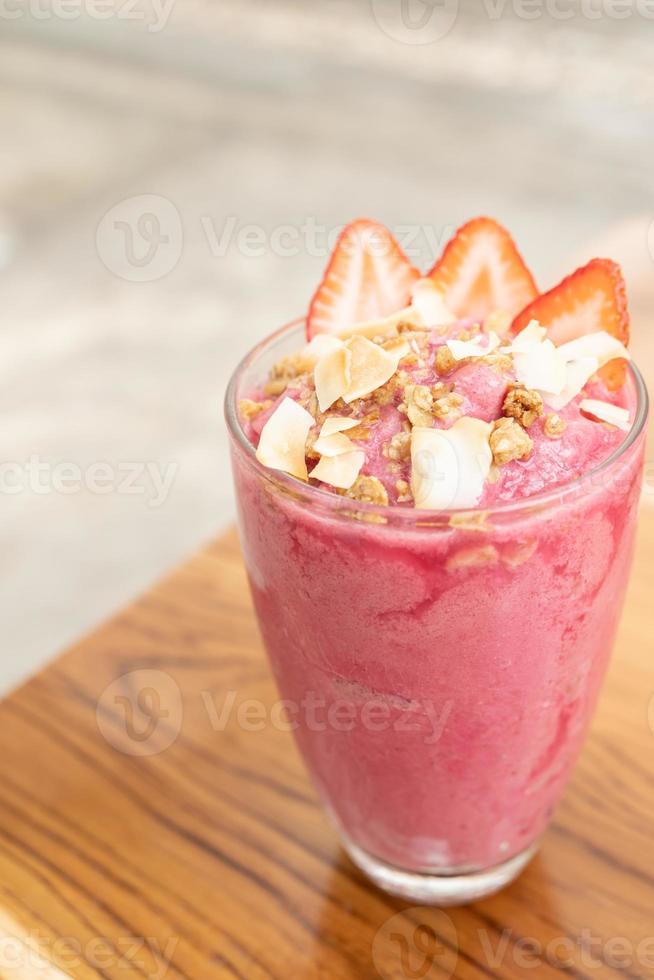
[{"x": 440, "y": 632}]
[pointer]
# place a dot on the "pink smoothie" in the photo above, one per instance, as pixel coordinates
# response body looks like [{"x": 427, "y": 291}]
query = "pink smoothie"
[{"x": 442, "y": 674}]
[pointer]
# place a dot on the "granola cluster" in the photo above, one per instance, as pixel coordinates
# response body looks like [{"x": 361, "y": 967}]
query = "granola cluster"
[
  {"x": 554, "y": 426},
  {"x": 368, "y": 490},
  {"x": 422, "y": 404},
  {"x": 523, "y": 405},
  {"x": 509, "y": 441},
  {"x": 285, "y": 370}
]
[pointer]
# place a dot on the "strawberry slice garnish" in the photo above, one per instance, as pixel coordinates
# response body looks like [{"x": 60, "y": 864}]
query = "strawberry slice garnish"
[
  {"x": 481, "y": 271},
  {"x": 593, "y": 298},
  {"x": 368, "y": 277}
]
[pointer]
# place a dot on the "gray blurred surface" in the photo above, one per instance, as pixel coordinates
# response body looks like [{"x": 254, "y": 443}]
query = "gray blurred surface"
[{"x": 266, "y": 115}]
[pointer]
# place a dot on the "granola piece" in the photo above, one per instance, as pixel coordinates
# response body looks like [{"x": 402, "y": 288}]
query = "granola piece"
[
  {"x": 369, "y": 490},
  {"x": 365, "y": 425},
  {"x": 523, "y": 404},
  {"x": 386, "y": 394},
  {"x": 310, "y": 403},
  {"x": 276, "y": 387},
  {"x": 473, "y": 521},
  {"x": 290, "y": 367},
  {"x": 248, "y": 410},
  {"x": 502, "y": 363},
  {"x": 445, "y": 360},
  {"x": 517, "y": 554},
  {"x": 498, "y": 322},
  {"x": 404, "y": 495},
  {"x": 399, "y": 448},
  {"x": 472, "y": 558},
  {"x": 509, "y": 441},
  {"x": 470, "y": 333},
  {"x": 554, "y": 426},
  {"x": 419, "y": 402},
  {"x": 447, "y": 406}
]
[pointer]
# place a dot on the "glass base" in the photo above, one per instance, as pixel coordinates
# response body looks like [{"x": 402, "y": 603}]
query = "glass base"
[{"x": 438, "y": 889}]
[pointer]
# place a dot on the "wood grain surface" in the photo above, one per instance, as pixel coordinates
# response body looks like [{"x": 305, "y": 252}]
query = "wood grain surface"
[{"x": 153, "y": 823}]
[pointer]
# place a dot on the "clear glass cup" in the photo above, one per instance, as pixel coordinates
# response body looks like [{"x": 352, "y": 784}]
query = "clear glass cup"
[{"x": 440, "y": 669}]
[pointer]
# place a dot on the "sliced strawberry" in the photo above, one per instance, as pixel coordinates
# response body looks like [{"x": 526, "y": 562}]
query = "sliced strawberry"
[
  {"x": 368, "y": 277},
  {"x": 481, "y": 271},
  {"x": 592, "y": 298}
]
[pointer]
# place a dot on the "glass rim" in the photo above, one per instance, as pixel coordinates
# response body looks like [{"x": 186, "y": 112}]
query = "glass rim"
[{"x": 299, "y": 489}]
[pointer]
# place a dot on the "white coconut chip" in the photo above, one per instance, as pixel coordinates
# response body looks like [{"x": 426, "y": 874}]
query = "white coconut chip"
[
  {"x": 462, "y": 349},
  {"x": 282, "y": 445},
  {"x": 450, "y": 466},
  {"x": 370, "y": 367},
  {"x": 427, "y": 298},
  {"x": 540, "y": 366},
  {"x": 339, "y": 471},
  {"x": 321, "y": 344},
  {"x": 607, "y": 412},
  {"x": 601, "y": 344},
  {"x": 332, "y": 376}
]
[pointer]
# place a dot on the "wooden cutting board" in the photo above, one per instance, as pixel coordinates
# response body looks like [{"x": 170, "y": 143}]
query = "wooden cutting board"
[{"x": 155, "y": 824}]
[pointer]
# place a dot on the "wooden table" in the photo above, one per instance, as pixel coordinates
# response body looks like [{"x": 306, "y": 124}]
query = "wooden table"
[{"x": 148, "y": 831}]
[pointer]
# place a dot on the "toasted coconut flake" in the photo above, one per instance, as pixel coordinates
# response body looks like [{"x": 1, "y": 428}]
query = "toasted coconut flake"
[
  {"x": 463, "y": 349},
  {"x": 370, "y": 367},
  {"x": 427, "y": 298},
  {"x": 577, "y": 374},
  {"x": 532, "y": 336},
  {"x": 334, "y": 445},
  {"x": 340, "y": 471},
  {"x": 385, "y": 326},
  {"x": 607, "y": 412},
  {"x": 283, "y": 439},
  {"x": 321, "y": 344},
  {"x": 337, "y": 423},
  {"x": 450, "y": 466},
  {"x": 599, "y": 344},
  {"x": 332, "y": 376},
  {"x": 541, "y": 367}
]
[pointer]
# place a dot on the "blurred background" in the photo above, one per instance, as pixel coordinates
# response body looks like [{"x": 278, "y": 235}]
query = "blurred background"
[{"x": 171, "y": 172}]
